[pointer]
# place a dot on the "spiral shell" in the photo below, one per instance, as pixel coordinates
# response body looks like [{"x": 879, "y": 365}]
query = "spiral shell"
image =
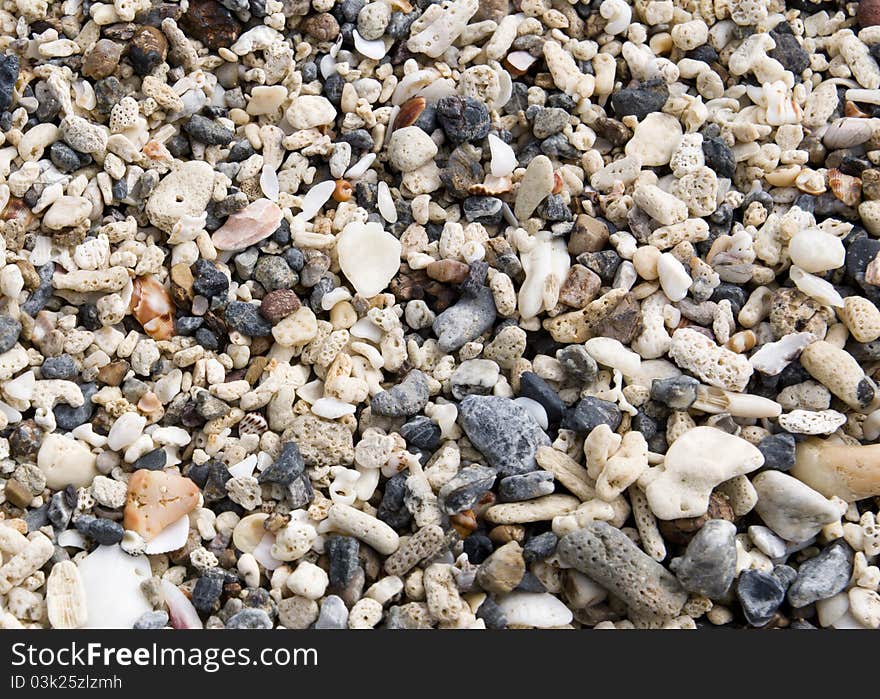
[
  {"x": 846, "y": 188},
  {"x": 152, "y": 307}
]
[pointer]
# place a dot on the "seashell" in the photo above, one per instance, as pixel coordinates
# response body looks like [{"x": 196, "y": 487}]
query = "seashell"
[
  {"x": 256, "y": 222},
  {"x": 741, "y": 342},
  {"x": 851, "y": 110},
  {"x": 263, "y": 552},
  {"x": 112, "y": 580},
  {"x": 519, "y": 62},
  {"x": 252, "y": 423},
  {"x": 318, "y": 195},
  {"x": 151, "y": 305},
  {"x": 342, "y": 191},
  {"x": 249, "y": 532},
  {"x": 156, "y": 499},
  {"x": 171, "y": 538},
  {"x": 846, "y": 188},
  {"x": 385, "y": 203},
  {"x": 374, "y": 49},
  {"x": 181, "y": 611},
  {"x": 66, "y": 597},
  {"x": 503, "y": 160},
  {"x": 150, "y": 405},
  {"x": 409, "y": 113},
  {"x": 491, "y": 186}
]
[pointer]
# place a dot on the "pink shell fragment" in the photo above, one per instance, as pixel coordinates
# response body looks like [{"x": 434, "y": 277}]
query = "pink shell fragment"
[{"x": 255, "y": 222}]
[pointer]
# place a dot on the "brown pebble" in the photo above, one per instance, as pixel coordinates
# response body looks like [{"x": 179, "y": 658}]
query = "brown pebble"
[
  {"x": 868, "y": 13},
  {"x": 681, "y": 531},
  {"x": 182, "y": 285},
  {"x": 102, "y": 59},
  {"x": 211, "y": 23},
  {"x": 148, "y": 48},
  {"x": 465, "y": 523},
  {"x": 448, "y": 271},
  {"x": 25, "y": 441},
  {"x": 589, "y": 235},
  {"x": 278, "y": 304},
  {"x": 255, "y": 368},
  {"x": 18, "y": 494},
  {"x": 871, "y": 184},
  {"x": 580, "y": 287},
  {"x": 156, "y": 499},
  {"x": 623, "y": 321},
  {"x": 321, "y": 27},
  {"x": 505, "y": 533},
  {"x": 113, "y": 373}
]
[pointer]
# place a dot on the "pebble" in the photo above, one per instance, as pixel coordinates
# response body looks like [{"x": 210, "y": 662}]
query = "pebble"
[
  {"x": 503, "y": 570},
  {"x": 248, "y": 319},
  {"x": 791, "y": 508},
  {"x": 538, "y": 610},
  {"x": 66, "y": 461},
  {"x": 778, "y": 451},
  {"x": 405, "y": 399},
  {"x": 465, "y": 488},
  {"x": 591, "y": 412},
  {"x": 463, "y": 118},
  {"x": 526, "y": 486},
  {"x": 822, "y": 576},
  {"x": 760, "y": 595},
  {"x": 708, "y": 566},
  {"x": 465, "y": 321},
  {"x": 249, "y": 619},
  {"x": 678, "y": 392},
  {"x": 368, "y": 256},
  {"x": 536, "y": 186},
  {"x": 503, "y": 432},
  {"x": 10, "y": 329},
  {"x": 533, "y": 386}
]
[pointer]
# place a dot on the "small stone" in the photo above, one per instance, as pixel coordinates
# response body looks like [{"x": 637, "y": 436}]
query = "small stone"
[
  {"x": 286, "y": 468},
  {"x": 102, "y": 59},
  {"x": 249, "y": 619},
  {"x": 421, "y": 432},
  {"x": 550, "y": 121},
  {"x": 465, "y": 488},
  {"x": 297, "y": 612},
  {"x": 247, "y": 319},
  {"x": 209, "y": 281},
  {"x": 152, "y": 461},
  {"x": 369, "y": 257},
  {"x": 465, "y": 321},
  {"x": 10, "y": 329},
  {"x": 539, "y": 547},
  {"x": 410, "y": 148},
  {"x": 157, "y": 619},
  {"x": 504, "y": 432},
  {"x": 503, "y": 570},
  {"x": 321, "y": 27},
  {"x": 640, "y": 101},
  {"x": 760, "y": 595},
  {"x": 533, "y": 386},
  {"x": 211, "y": 23},
  {"x": 113, "y": 373},
  {"x": 207, "y": 590},
  {"x": 778, "y": 451},
  {"x": 404, "y": 399},
  {"x": 536, "y": 185},
  {"x": 343, "y": 554},
  {"x": 65, "y": 462},
  {"x": 69, "y": 418},
  {"x": 208, "y": 131},
  {"x": 463, "y": 118},
  {"x": 104, "y": 531},
  {"x": 147, "y": 49},
  {"x": 822, "y": 576},
  {"x": 8, "y": 76},
  {"x": 791, "y": 508},
  {"x": 60, "y": 367},
  {"x": 334, "y": 613},
  {"x": 310, "y": 111},
  {"x": 708, "y": 566},
  {"x": 17, "y": 493},
  {"x": 589, "y": 413},
  {"x": 526, "y": 486},
  {"x": 678, "y": 392},
  {"x": 577, "y": 363},
  {"x": 278, "y": 304}
]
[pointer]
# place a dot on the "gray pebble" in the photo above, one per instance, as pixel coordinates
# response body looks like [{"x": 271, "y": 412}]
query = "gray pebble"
[
  {"x": 678, "y": 392},
  {"x": 526, "y": 486},
  {"x": 577, "y": 363},
  {"x": 823, "y": 576},
  {"x": 591, "y": 412},
  {"x": 246, "y": 319},
  {"x": 60, "y": 367},
  {"x": 465, "y": 488},
  {"x": 465, "y": 321},
  {"x": 405, "y": 399},
  {"x": 68, "y": 418},
  {"x": 10, "y": 329},
  {"x": 608, "y": 556},
  {"x": 250, "y": 619},
  {"x": 708, "y": 566},
  {"x": 274, "y": 273},
  {"x": 760, "y": 595},
  {"x": 157, "y": 619},
  {"x": 334, "y": 613},
  {"x": 503, "y": 431}
]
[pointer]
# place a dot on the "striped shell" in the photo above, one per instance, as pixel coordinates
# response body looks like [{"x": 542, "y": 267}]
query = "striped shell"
[
  {"x": 252, "y": 423},
  {"x": 846, "y": 188}
]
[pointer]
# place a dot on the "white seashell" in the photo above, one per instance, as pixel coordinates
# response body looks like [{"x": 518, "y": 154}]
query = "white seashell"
[
  {"x": 21, "y": 387},
  {"x": 503, "y": 161},
  {"x": 386, "y": 203},
  {"x": 411, "y": 84},
  {"x": 328, "y": 66},
  {"x": 546, "y": 266},
  {"x": 311, "y": 393},
  {"x": 269, "y": 183},
  {"x": 332, "y": 408},
  {"x": 42, "y": 252},
  {"x": 374, "y": 49},
  {"x": 369, "y": 256},
  {"x": 366, "y": 329},
  {"x": 12, "y": 415},
  {"x": 263, "y": 553},
  {"x": 170, "y": 538},
  {"x": 181, "y": 611},
  {"x": 521, "y": 60},
  {"x": 66, "y": 597},
  {"x": 773, "y": 357},
  {"x": 315, "y": 198},
  {"x": 71, "y": 538},
  {"x": 245, "y": 467},
  {"x": 112, "y": 581},
  {"x": 360, "y": 167},
  {"x": 815, "y": 287}
]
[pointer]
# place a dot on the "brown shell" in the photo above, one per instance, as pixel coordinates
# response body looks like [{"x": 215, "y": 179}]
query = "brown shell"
[
  {"x": 343, "y": 191},
  {"x": 409, "y": 113},
  {"x": 152, "y": 307},
  {"x": 846, "y": 188},
  {"x": 491, "y": 186}
]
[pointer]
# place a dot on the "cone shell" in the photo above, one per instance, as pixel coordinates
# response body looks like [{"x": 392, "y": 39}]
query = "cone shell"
[{"x": 152, "y": 307}]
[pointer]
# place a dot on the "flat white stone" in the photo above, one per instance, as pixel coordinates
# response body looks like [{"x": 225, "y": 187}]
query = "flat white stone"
[
  {"x": 369, "y": 257},
  {"x": 66, "y": 461},
  {"x": 332, "y": 408},
  {"x": 814, "y": 250},
  {"x": 125, "y": 431}
]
